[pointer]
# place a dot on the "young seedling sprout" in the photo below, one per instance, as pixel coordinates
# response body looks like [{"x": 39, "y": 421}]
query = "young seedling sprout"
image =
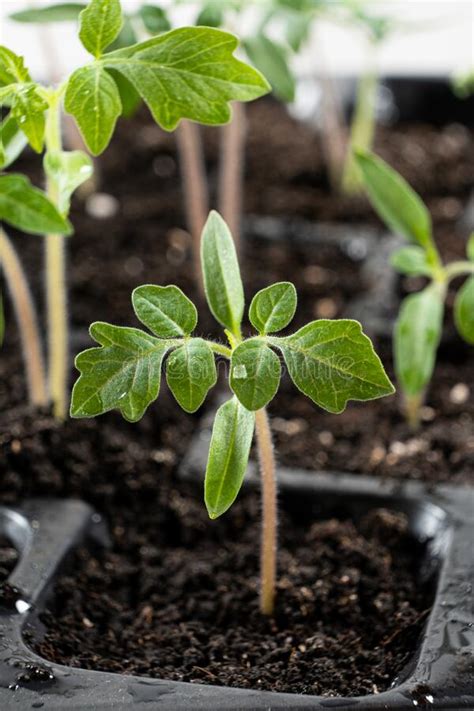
[
  {"x": 329, "y": 361},
  {"x": 189, "y": 73},
  {"x": 419, "y": 326}
]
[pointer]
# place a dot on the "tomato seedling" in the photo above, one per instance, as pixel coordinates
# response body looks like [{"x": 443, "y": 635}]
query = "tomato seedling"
[{"x": 329, "y": 361}]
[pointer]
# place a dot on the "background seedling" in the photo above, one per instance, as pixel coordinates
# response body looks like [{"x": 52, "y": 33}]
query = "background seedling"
[
  {"x": 188, "y": 73},
  {"x": 420, "y": 321},
  {"x": 329, "y": 361}
]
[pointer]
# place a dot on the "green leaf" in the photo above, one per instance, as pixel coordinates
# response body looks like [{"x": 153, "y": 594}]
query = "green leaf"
[
  {"x": 470, "y": 248},
  {"x": 101, "y": 22},
  {"x": 412, "y": 261},
  {"x": 398, "y": 205},
  {"x": 188, "y": 73},
  {"x": 28, "y": 208},
  {"x": 255, "y": 373},
  {"x": 298, "y": 28},
  {"x": 64, "y": 12},
  {"x": 155, "y": 19},
  {"x": 228, "y": 456},
  {"x": 222, "y": 282},
  {"x": 211, "y": 15},
  {"x": 123, "y": 374},
  {"x": 272, "y": 60},
  {"x": 93, "y": 99},
  {"x": 12, "y": 68},
  {"x": 129, "y": 96},
  {"x": 165, "y": 310},
  {"x": 28, "y": 109},
  {"x": 332, "y": 362},
  {"x": 12, "y": 141},
  {"x": 417, "y": 335},
  {"x": 126, "y": 37},
  {"x": 68, "y": 170},
  {"x": 191, "y": 373},
  {"x": 273, "y": 308},
  {"x": 464, "y": 311}
]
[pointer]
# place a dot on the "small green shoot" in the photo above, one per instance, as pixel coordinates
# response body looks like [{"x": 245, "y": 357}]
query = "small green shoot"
[
  {"x": 331, "y": 362},
  {"x": 419, "y": 326}
]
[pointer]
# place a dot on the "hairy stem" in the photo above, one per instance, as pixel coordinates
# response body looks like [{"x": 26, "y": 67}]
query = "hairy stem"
[
  {"x": 58, "y": 336},
  {"x": 231, "y": 170},
  {"x": 27, "y": 321},
  {"x": 362, "y": 131},
  {"x": 196, "y": 195},
  {"x": 268, "y": 549}
]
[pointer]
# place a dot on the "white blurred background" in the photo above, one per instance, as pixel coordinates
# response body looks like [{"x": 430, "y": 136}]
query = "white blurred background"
[{"x": 440, "y": 41}]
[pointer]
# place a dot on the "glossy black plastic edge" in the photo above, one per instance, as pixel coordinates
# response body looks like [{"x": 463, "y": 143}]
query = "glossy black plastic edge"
[{"x": 440, "y": 678}]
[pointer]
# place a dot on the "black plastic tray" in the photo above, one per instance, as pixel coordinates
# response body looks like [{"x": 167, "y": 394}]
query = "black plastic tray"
[{"x": 440, "y": 675}]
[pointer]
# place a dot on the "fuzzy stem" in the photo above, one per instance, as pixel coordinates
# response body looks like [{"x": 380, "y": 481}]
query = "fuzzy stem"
[
  {"x": 232, "y": 169},
  {"x": 27, "y": 321},
  {"x": 269, "y": 513},
  {"x": 362, "y": 131},
  {"x": 58, "y": 336},
  {"x": 196, "y": 196},
  {"x": 413, "y": 404}
]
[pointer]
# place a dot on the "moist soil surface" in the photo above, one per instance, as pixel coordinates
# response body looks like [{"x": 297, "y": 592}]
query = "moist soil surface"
[
  {"x": 128, "y": 472},
  {"x": 177, "y": 598}
]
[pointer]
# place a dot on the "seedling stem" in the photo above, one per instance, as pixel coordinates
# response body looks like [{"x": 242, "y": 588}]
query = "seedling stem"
[{"x": 268, "y": 547}]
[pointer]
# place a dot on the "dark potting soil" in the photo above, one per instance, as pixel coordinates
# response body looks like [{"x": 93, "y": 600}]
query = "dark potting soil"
[{"x": 177, "y": 598}]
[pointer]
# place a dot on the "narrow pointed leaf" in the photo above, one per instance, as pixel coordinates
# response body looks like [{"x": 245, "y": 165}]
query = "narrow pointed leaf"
[
  {"x": 68, "y": 170},
  {"x": 412, "y": 261},
  {"x": 464, "y": 310},
  {"x": 188, "y": 73},
  {"x": 228, "y": 456},
  {"x": 28, "y": 209},
  {"x": 222, "y": 281},
  {"x": 395, "y": 201},
  {"x": 101, "y": 22},
  {"x": 64, "y": 12},
  {"x": 255, "y": 374},
  {"x": 123, "y": 374},
  {"x": 332, "y": 362},
  {"x": 271, "y": 59},
  {"x": 165, "y": 310},
  {"x": 417, "y": 335},
  {"x": 191, "y": 373},
  {"x": 93, "y": 99},
  {"x": 273, "y": 308}
]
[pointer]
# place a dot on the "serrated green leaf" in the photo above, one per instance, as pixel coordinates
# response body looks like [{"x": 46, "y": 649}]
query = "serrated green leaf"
[
  {"x": 412, "y": 261},
  {"x": 101, "y": 22},
  {"x": 165, "y": 310},
  {"x": 188, "y": 73},
  {"x": 123, "y": 374},
  {"x": 273, "y": 308},
  {"x": 255, "y": 372},
  {"x": 28, "y": 109},
  {"x": 222, "y": 281},
  {"x": 28, "y": 209},
  {"x": 68, "y": 170},
  {"x": 12, "y": 68},
  {"x": 93, "y": 99},
  {"x": 417, "y": 335},
  {"x": 470, "y": 248},
  {"x": 211, "y": 15},
  {"x": 271, "y": 59},
  {"x": 155, "y": 19},
  {"x": 12, "y": 141},
  {"x": 64, "y": 12},
  {"x": 396, "y": 202},
  {"x": 191, "y": 373},
  {"x": 464, "y": 311},
  {"x": 332, "y": 362},
  {"x": 228, "y": 456}
]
